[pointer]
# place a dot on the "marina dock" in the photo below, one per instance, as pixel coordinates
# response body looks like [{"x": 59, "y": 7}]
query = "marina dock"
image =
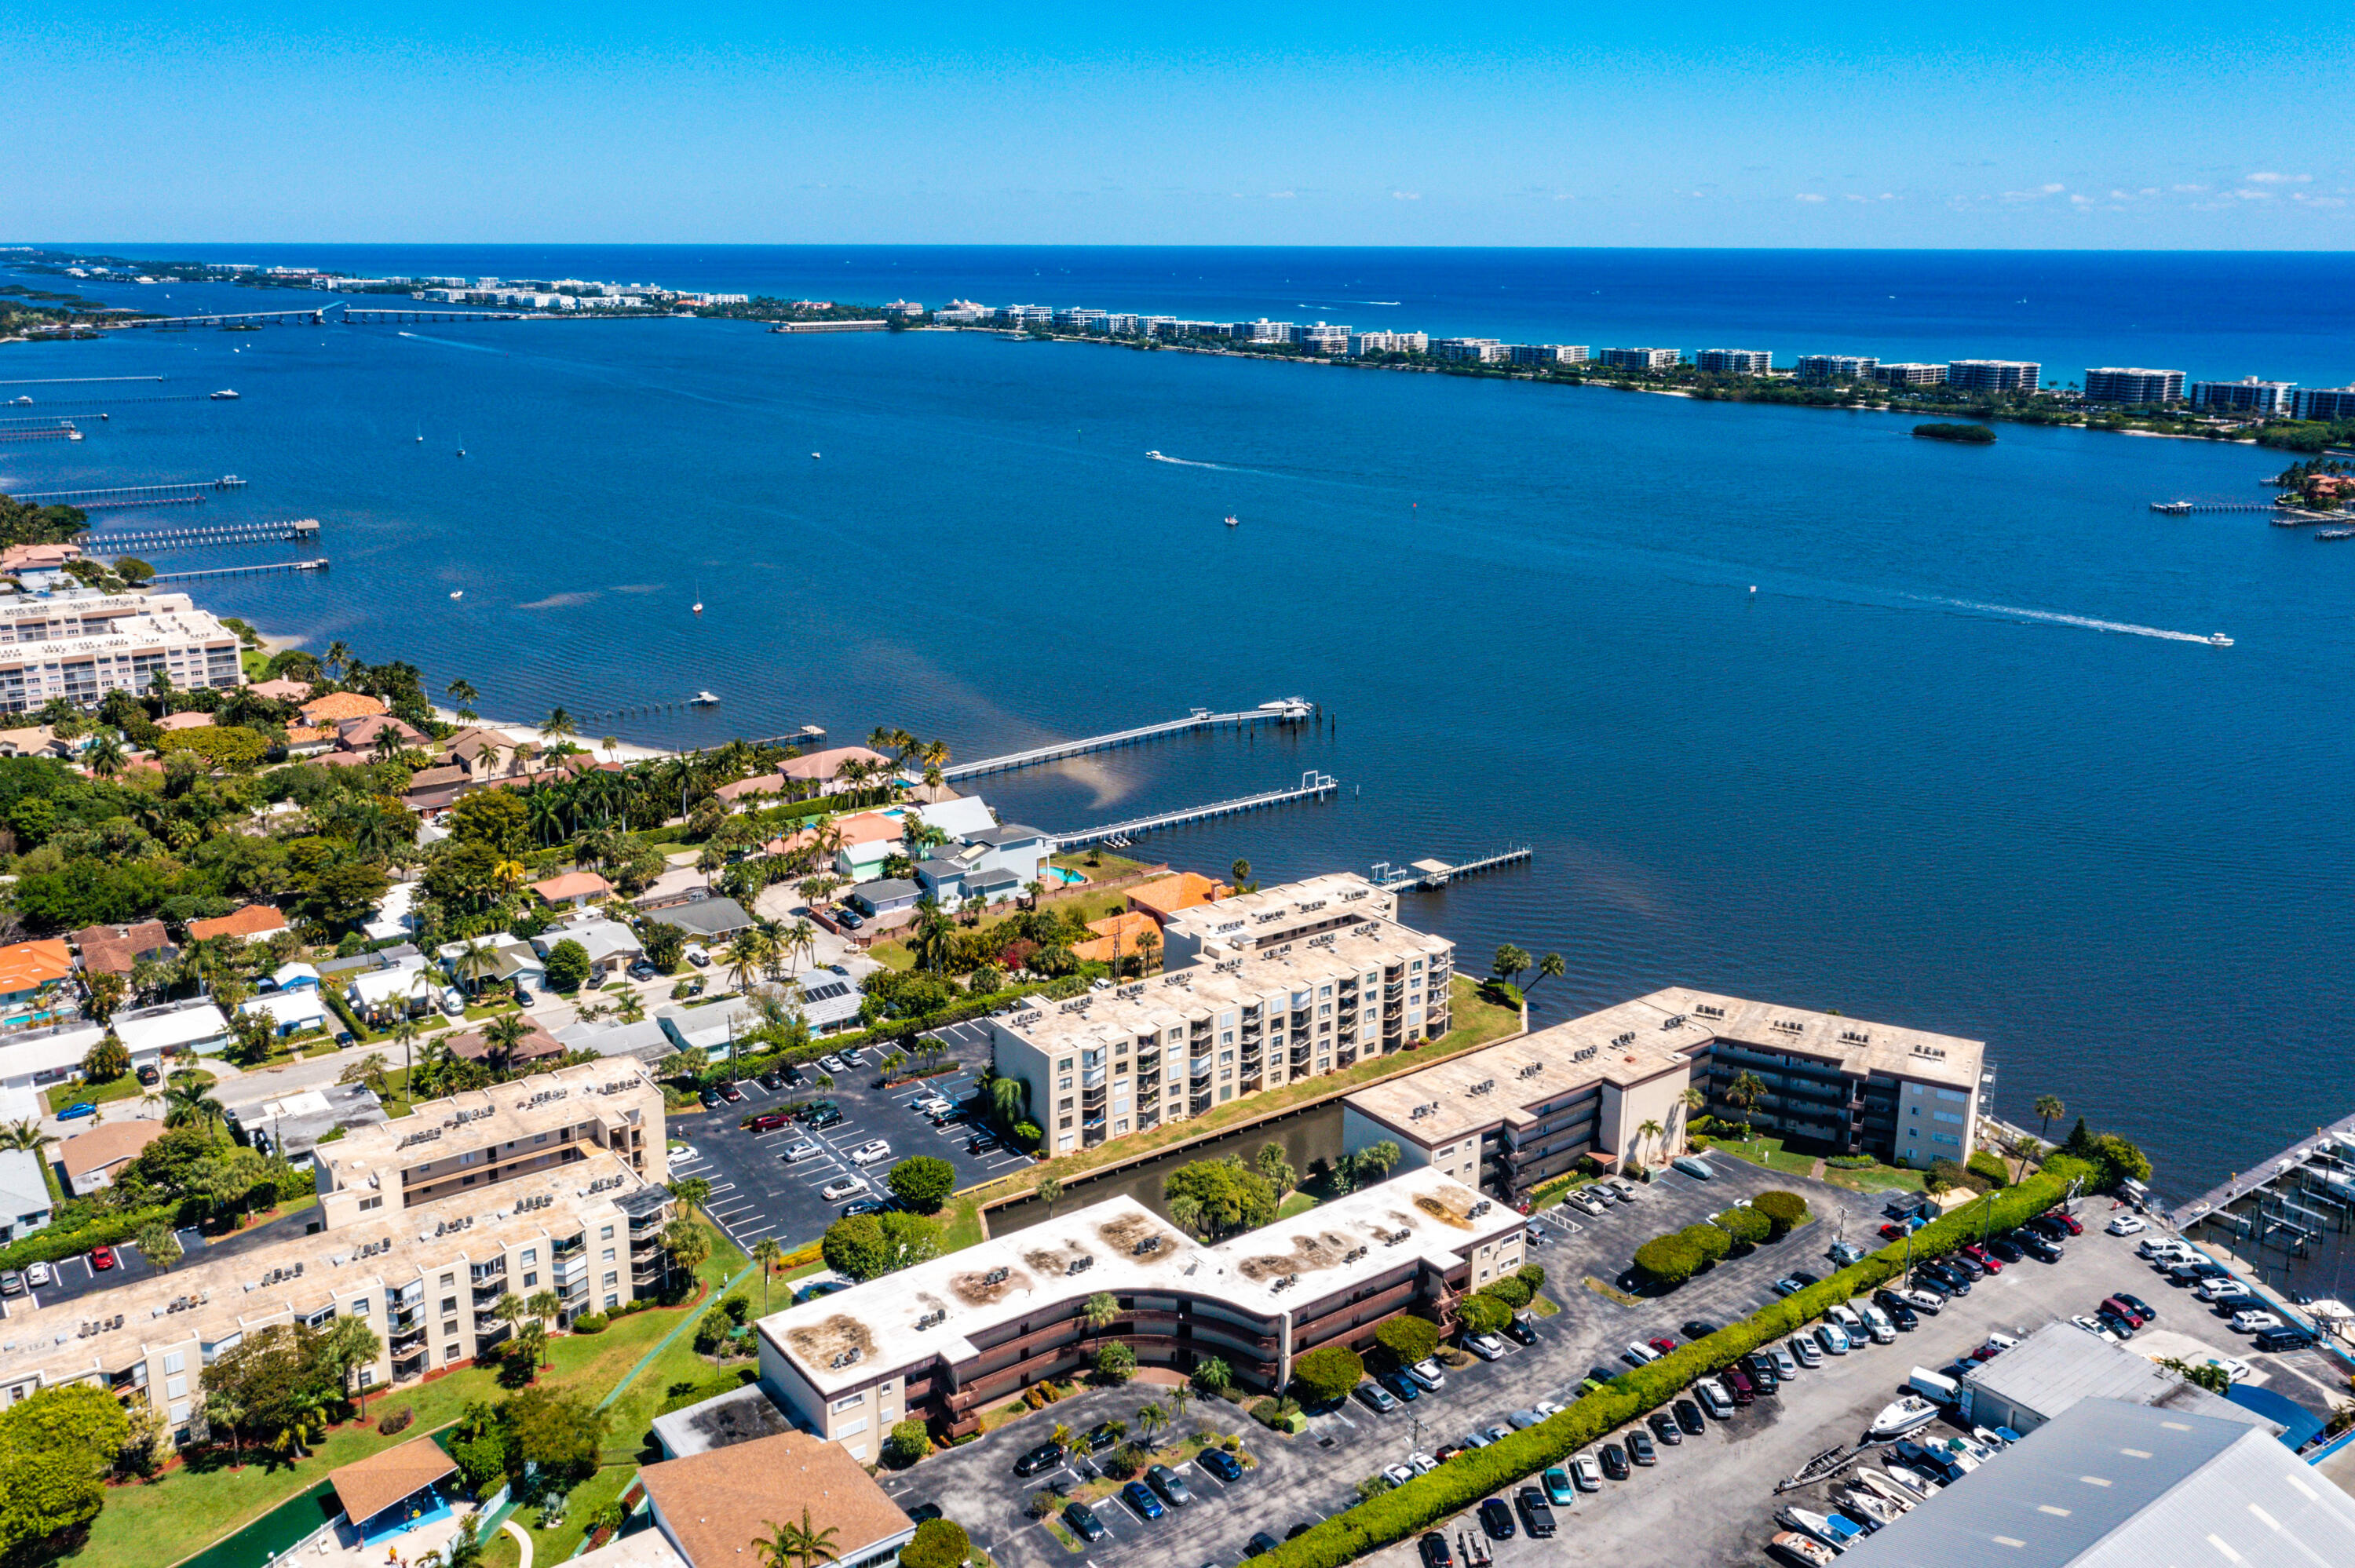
[
  {"x": 2186, "y": 508},
  {"x": 1289, "y": 710},
  {"x": 1439, "y": 873},
  {"x": 133, "y": 494},
  {"x": 302, "y": 530},
  {"x": 1313, "y": 786},
  {"x": 2298, "y": 1157},
  {"x": 319, "y": 565}
]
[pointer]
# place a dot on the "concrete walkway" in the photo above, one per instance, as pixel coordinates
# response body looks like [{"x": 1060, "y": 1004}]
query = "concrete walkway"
[{"x": 523, "y": 1540}]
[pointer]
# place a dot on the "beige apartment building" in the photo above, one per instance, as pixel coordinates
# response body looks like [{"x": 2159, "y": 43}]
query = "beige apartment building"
[
  {"x": 428, "y": 1285},
  {"x": 1273, "y": 917},
  {"x": 80, "y": 646},
  {"x": 486, "y": 1136},
  {"x": 552, "y": 1183},
  {"x": 945, "y": 1338},
  {"x": 1114, "y": 1063},
  {"x": 1611, "y": 1087}
]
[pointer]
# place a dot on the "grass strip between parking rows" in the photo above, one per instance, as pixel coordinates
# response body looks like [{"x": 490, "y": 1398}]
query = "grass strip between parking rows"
[{"x": 1467, "y": 1478}]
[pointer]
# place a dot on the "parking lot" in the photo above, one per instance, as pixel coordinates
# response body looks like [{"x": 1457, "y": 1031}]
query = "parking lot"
[
  {"x": 1646, "y": 1520},
  {"x": 754, "y": 1193}
]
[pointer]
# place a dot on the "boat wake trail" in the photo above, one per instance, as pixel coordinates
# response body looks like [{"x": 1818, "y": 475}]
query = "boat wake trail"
[
  {"x": 1189, "y": 462},
  {"x": 2055, "y": 618},
  {"x": 452, "y": 343}
]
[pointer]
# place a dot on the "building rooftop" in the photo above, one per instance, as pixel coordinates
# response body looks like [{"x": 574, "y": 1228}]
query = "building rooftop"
[
  {"x": 1862, "y": 1047},
  {"x": 368, "y": 1486},
  {"x": 740, "y": 1416},
  {"x": 337, "y": 706},
  {"x": 1119, "y": 1245},
  {"x": 708, "y": 918},
  {"x": 253, "y": 920},
  {"x": 2053, "y": 1368},
  {"x": 27, "y": 965},
  {"x": 2115, "y": 1485},
  {"x": 103, "y": 1147},
  {"x": 212, "y": 1298},
  {"x": 1165, "y": 895},
  {"x": 596, "y": 1091},
  {"x": 572, "y": 884},
  {"x": 1239, "y": 914},
  {"x": 714, "y": 1504}
]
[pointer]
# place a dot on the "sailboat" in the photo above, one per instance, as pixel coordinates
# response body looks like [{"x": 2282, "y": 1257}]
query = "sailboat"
[{"x": 698, "y": 599}]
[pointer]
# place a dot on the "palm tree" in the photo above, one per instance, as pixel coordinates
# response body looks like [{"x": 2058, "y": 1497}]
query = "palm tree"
[
  {"x": 503, "y": 1035},
  {"x": 1100, "y": 1313},
  {"x": 1150, "y": 1419},
  {"x": 556, "y": 729},
  {"x": 744, "y": 959},
  {"x": 688, "y": 1244},
  {"x": 802, "y": 1545},
  {"x": 24, "y": 1134},
  {"x": 461, "y": 691},
  {"x": 693, "y": 1192},
  {"x": 339, "y": 655},
  {"x": 801, "y": 937},
  {"x": 1690, "y": 1102},
  {"x": 766, "y": 1252},
  {"x": 1746, "y": 1091},
  {"x": 188, "y": 1102},
  {"x": 1651, "y": 1132},
  {"x": 510, "y": 1309},
  {"x": 2049, "y": 1109},
  {"x": 1548, "y": 968},
  {"x": 1007, "y": 1097},
  {"x": 105, "y": 758},
  {"x": 631, "y": 1009},
  {"x": 478, "y": 959},
  {"x": 1511, "y": 962}
]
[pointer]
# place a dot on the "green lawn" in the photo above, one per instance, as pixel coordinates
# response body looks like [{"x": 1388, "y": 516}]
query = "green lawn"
[
  {"x": 184, "y": 1512},
  {"x": 1767, "y": 1151},
  {"x": 1295, "y": 1204},
  {"x": 1879, "y": 1178}
]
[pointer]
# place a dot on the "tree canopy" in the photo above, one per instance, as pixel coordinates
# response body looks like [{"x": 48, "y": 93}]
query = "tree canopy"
[
  {"x": 923, "y": 1182},
  {"x": 868, "y": 1246},
  {"x": 1328, "y": 1374},
  {"x": 1225, "y": 1195},
  {"x": 55, "y": 1449}
]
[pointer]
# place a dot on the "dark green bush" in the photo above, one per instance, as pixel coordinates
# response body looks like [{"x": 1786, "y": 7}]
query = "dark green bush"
[
  {"x": 1533, "y": 1274},
  {"x": 1707, "y": 1240},
  {"x": 1482, "y": 1314},
  {"x": 938, "y": 1544},
  {"x": 1328, "y": 1374},
  {"x": 1409, "y": 1339},
  {"x": 1787, "y": 1210},
  {"x": 1670, "y": 1259},
  {"x": 1510, "y": 1291},
  {"x": 1464, "y": 1481},
  {"x": 590, "y": 1323},
  {"x": 1746, "y": 1226},
  {"x": 1983, "y": 1163}
]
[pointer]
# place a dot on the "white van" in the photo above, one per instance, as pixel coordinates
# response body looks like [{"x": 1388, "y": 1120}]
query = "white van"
[
  {"x": 1714, "y": 1399},
  {"x": 1932, "y": 1386}
]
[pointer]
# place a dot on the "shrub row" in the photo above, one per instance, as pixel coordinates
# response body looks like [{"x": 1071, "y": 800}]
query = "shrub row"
[
  {"x": 108, "y": 1230},
  {"x": 1464, "y": 1480}
]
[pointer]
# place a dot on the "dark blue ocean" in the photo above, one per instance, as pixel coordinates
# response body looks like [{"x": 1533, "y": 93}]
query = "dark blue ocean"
[{"x": 1959, "y": 762}]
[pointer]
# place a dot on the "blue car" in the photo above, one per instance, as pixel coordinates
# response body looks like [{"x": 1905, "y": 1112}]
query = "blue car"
[
  {"x": 1139, "y": 1496},
  {"x": 1222, "y": 1463},
  {"x": 78, "y": 1109},
  {"x": 1398, "y": 1383}
]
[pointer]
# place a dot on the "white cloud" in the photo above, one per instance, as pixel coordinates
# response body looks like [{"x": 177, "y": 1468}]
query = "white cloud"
[
  {"x": 2280, "y": 179},
  {"x": 2186, "y": 190},
  {"x": 2038, "y": 194},
  {"x": 2246, "y": 195},
  {"x": 1280, "y": 196},
  {"x": 1417, "y": 195},
  {"x": 1809, "y": 195}
]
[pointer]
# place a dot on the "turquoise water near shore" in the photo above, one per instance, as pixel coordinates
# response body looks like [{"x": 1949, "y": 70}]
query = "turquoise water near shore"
[{"x": 1958, "y": 761}]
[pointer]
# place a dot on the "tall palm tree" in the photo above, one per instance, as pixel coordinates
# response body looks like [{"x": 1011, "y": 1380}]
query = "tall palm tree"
[
  {"x": 801, "y": 938},
  {"x": 2049, "y": 1109},
  {"x": 23, "y": 1135},
  {"x": 1689, "y": 1103},
  {"x": 1007, "y": 1097},
  {"x": 503, "y": 1034},
  {"x": 744, "y": 960},
  {"x": 188, "y": 1102},
  {"x": 1100, "y": 1313},
  {"x": 556, "y": 727},
  {"x": 766, "y": 1252},
  {"x": 461, "y": 691},
  {"x": 692, "y": 1191},
  {"x": 1548, "y": 968},
  {"x": 1746, "y": 1091},
  {"x": 104, "y": 758},
  {"x": 1651, "y": 1132},
  {"x": 479, "y": 958},
  {"x": 1150, "y": 1419}
]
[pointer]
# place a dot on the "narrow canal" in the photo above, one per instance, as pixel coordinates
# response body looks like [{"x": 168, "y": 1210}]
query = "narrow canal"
[{"x": 1311, "y": 1139}]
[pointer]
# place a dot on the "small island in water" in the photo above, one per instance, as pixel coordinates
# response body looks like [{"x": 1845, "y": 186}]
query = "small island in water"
[{"x": 1974, "y": 435}]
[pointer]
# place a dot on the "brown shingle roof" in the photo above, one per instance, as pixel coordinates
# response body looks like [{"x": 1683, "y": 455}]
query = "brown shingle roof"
[
  {"x": 716, "y": 1503},
  {"x": 106, "y": 950},
  {"x": 282, "y": 690},
  {"x": 253, "y": 920},
  {"x": 337, "y": 706},
  {"x": 102, "y": 1146},
  {"x": 530, "y": 1048},
  {"x": 374, "y": 1484}
]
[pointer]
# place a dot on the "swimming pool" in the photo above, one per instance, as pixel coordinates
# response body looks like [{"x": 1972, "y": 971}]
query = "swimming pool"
[{"x": 1065, "y": 875}]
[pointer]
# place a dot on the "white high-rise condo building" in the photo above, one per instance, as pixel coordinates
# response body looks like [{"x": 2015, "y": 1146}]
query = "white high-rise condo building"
[
  {"x": 1550, "y": 353},
  {"x": 2133, "y": 387},
  {"x": 2246, "y": 396},
  {"x": 1907, "y": 375},
  {"x": 1472, "y": 350},
  {"x": 81, "y": 645},
  {"x": 1322, "y": 339},
  {"x": 1735, "y": 361},
  {"x": 2323, "y": 403},
  {"x": 1639, "y": 358},
  {"x": 1994, "y": 375},
  {"x": 1821, "y": 368}
]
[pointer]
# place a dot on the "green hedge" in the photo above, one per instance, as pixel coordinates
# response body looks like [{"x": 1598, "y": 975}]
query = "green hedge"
[
  {"x": 1464, "y": 1480},
  {"x": 56, "y": 1245}
]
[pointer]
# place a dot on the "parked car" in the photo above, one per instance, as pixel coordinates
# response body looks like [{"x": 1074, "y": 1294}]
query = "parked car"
[
  {"x": 1759, "y": 1368},
  {"x": 2126, "y": 1226},
  {"x": 1102, "y": 1436},
  {"x": 12, "y": 1283},
  {"x": 1558, "y": 1489},
  {"x": 1786, "y": 1365},
  {"x": 2092, "y": 1326},
  {"x": 1083, "y": 1522},
  {"x": 2119, "y": 1325},
  {"x": 799, "y": 1150},
  {"x": 1537, "y": 1517},
  {"x": 1688, "y": 1417},
  {"x": 1988, "y": 1263},
  {"x": 1695, "y": 1328},
  {"x": 2066, "y": 1221},
  {"x": 1832, "y": 1339},
  {"x": 833, "y": 1063},
  {"x": 1497, "y": 1519},
  {"x": 1376, "y": 1398},
  {"x": 1433, "y": 1547},
  {"x": 1879, "y": 1326},
  {"x": 1843, "y": 1253},
  {"x": 37, "y": 1274},
  {"x": 1639, "y": 1354},
  {"x": 854, "y": 1057},
  {"x": 769, "y": 1121},
  {"x": 874, "y": 1151},
  {"x": 1045, "y": 1456},
  {"x": 1585, "y": 1474},
  {"x": 148, "y": 1075},
  {"x": 1737, "y": 1383},
  {"x": 1804, "y": 1352},
  {"x": 1397, "y": 1474},
  {"x": 2250, "y": 1322},
  {"x": 1398, "y": 1383},
  {"x": 1517, "y": 1329},
  {"x": 1664, "y": 1427},
  {"x": 836, "y": 1192},
  {"x": 102, "y": 1258},
  {"x": 1427, "y": 1374},
  {"x": 2039, "y": 1248},
  {"x": 2004, "y": 1247},
  {"x": 865, "y": 1206},
  {"x": 1262, "y": 1543},
  {"x": 1697, "y": 1169},
  {"x": 1787, "y": 1286},
  {"x": 1586, "y": 1203},
  {"x": 1169, "y": 1484},
  {"x": 1523, "y": 1420},
  {"x": 1139, "y": 1496},
  {"x": 1485, "y": 1346},
  {"x": 847, "y": 918},
  {"x": 1714, "y": 1399},
  {"x": 822, "y": 1113},
  {"x": 2283, "y": 1339},
  {"x": 1614, "y": 1462},
  {"x": 1640, "y": 1448},
  {"x": 1222, "y": 1463},
  {"x": 2130, "y": 1307}
]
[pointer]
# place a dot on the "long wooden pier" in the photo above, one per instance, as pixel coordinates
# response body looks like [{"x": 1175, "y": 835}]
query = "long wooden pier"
[
  {"x": 319, "y": 565},
  {"x": 134, "y": 495},
  {"x": 2186, "y": 508},
  {"x": 299, "y": 529},
  {"x": 1313, "y": 786},
  {"x": 55, "y": 430},
  {"x": 1287, "y": 710},
  {"x": 75, "y": 380},
  {"x": 1440, "y": 873},
  {"x": 2245, "y": 1183}
]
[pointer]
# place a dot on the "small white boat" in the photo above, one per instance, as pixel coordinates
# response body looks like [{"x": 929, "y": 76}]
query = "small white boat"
[
  {"x": 458, "y": 593},
  {"x": 225, "y": 394},
  {"x": 703, "y": 699},
  {"x": 1911, "y": 1480},
  {"x": 1814, "y": 1524},
  {"x": 1149, "y": 453},
  {"x": 1879, "y": 1511},
  {"x": 812, "y": 457},
  {"x": 2219, "y": 640},
  {"x": 1230, "y": 519},
  {"x": 1796, "y": 1548},
  {"x": 1908, "y": 1416},
  {"x": 1887, "y": 1490}
]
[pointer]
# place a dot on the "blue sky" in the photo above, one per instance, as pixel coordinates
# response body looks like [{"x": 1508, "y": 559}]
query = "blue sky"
[{"x": 2093, "y": 125}]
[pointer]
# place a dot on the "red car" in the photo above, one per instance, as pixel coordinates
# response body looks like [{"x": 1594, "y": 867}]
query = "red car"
[
  {"x": 1893, "y": 1233},
  {"x": 769, "y": 1121},
  {"x": 2067, "y": 1221},
  {"x": 1983, "y": 1258},
  {"x": 102, "y": 1258},
  {"x": 1663, "y": 1344}
]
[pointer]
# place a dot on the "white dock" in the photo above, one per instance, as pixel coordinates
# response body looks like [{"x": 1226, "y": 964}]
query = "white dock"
[
  {"x": 1440, "y": 873},
  {"x": 1288, "y": 710},
  {"x": 1313, "y": 786}
]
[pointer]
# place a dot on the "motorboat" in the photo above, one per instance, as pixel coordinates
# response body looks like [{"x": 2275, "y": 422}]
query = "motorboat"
[
  {"x": 703, "y": 699},
  {"x": 1148, "y": 453},
  {"x": 224, "y": 396},
  {"x": 1887, "y": 1490},
  {"x": 1821, "y": 1526},
  {"x": 457, "y": 593},
  {"x": 1872, "y": 1513},
  {"x": 812, "y": 457},
  {"x": 1792, "y": 1547},
  {"x": 1907, "y": 1477},
  {"x": 1908, "y": 1416},
  {"x": 2218, "y": 640},
  {"x": 1231, "y": 520}
]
